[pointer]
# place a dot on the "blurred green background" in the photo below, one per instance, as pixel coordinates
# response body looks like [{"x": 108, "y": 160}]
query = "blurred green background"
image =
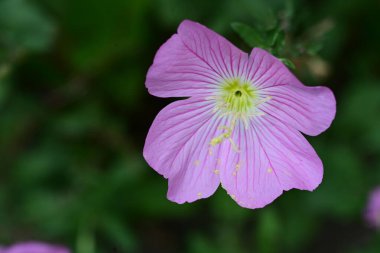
[{"x": 74, "y": 113}]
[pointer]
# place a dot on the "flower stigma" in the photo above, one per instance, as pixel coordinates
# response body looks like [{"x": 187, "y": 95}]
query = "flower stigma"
[
  {"x": 237, "y": 97},
  {"x": 240, "y": 100}
]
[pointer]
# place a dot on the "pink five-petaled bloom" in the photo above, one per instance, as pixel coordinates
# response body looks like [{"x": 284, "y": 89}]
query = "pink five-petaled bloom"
[
  {"x": 372, "y": 214},
  {"x": 34, "y": 247},
  {"x": 240, "y": 126}
]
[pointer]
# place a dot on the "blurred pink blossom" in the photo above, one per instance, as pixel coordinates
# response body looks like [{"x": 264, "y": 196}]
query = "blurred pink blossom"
[
  {"x": 372, "y": 214},
  {"x": 33, "y": 247}
]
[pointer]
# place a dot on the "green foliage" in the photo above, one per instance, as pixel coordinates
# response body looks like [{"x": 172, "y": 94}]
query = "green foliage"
[
  {"x": 22, "y": 26},
  {"x": 279, "y": 37},
  {"x": 74, "y": 114},
  {"x": 251, "y": 36},
  {"x": 271, "y": 40}
]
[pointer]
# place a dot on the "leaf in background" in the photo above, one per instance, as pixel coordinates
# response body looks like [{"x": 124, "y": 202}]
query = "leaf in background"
[
  {"x": 314, "y": 47},
  {"x": 278, "y": 42},
  {"x": 288, "y": 63},
  {"x": 198, "y": 243},
  {"x": 268, "y": 231},
  {"x": 274, "y": 36},
  {"x": 289, "y": 9},
  {"x": 262, "y": 12},
  {"x": 4, "y": 88},
  {"x": 312, "y": 41},
  {"x": 250, "y": 35},
  {"x": 272, "y": 40},
  {"x": 24, "y": 27},
  {"x": 224, "y": 208},
  {"x": 85, "y": 240},
  {"x": 297, "y": 228},
  {"x": 342, "y": 192},
  {"x": 119, "y": 234},
  {"x": 108, "y": 34}
]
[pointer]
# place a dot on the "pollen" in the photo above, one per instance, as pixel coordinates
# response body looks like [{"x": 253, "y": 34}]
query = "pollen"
[
  {"x": 269, "y": 170},
  {"x": 237, "y": 168},
  {"x": 199, "y": 194},
  {"x": 216, "y": 172},
  {"x": 226, "y": 135}
]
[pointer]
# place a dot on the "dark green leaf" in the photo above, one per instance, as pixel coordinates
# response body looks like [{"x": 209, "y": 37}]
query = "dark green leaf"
[
  {"x": 250, "y": 35},
  {"x": 288, "y": 63}
]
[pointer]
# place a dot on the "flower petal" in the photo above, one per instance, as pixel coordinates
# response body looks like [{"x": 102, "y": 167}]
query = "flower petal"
[
  {"x": 193, "y": 62},
  {"x": 177, "y": 147},
  {"x": 264, "y": 70},
  {"x": 35, "y": 247},
  {"x": 273, "y": 157},
  {"x": 308, "y": 109},
  {"x": 372, "y": 212},
  {"x": 311, "y": 110}
]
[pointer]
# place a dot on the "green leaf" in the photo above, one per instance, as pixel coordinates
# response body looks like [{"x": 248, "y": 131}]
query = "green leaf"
[
  {"x": 288, "y": 63},
  {"x": 314, "y": 47},
  {"x": 250, "y": 35},
  {"x": 274, "y": 37},
  {"x": 262, "y": 12}
]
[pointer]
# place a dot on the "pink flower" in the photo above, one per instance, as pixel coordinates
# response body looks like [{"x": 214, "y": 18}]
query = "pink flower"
[
  {"x": 372, "y": 214},
  {"x": 241, "y": 125},
  {"x": 34, "y": 247}
]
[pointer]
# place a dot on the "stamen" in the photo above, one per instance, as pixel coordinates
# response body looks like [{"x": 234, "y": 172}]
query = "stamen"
[
  {"x": 234, "y": 146},
  {"x": 226, "y": 135}
]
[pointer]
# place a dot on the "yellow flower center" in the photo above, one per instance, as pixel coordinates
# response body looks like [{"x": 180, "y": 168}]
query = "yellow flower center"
[
  {"x": 237, "y": 98},
  {"x": 240, "y": 100}
]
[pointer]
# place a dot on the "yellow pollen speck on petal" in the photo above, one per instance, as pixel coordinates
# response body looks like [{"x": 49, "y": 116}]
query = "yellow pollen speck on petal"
[
  {"x": 237, "y": 166},
  {"x": 210, "y": 151},
  {"x": 233, "y": 197},
  {"x": 269, "y": 170},
  {"x": 216, "y": 172},
  {"x": 234, "y": 173},
  {"x": 199, "y": 194},
  {"x": 196, "y": 162},
  {"x": 217, "y": 140}
]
